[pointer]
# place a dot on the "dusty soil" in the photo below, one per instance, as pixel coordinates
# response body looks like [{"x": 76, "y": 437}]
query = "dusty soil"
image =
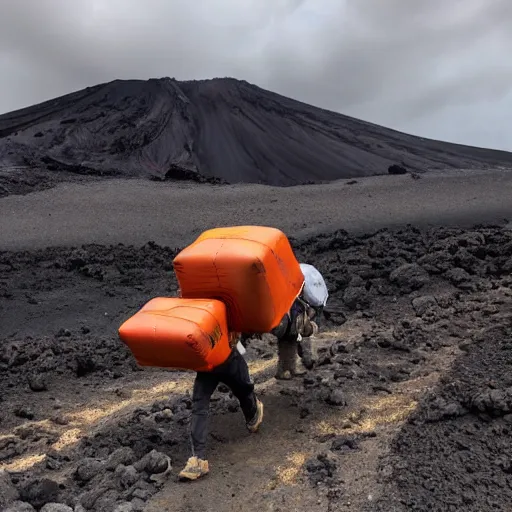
[
  {"x": 137, "y": 211},
  {"x": 220, "y": 130},
  {"x": 408, "y": 408}
]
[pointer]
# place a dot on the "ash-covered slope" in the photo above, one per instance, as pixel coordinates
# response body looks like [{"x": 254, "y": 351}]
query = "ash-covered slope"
[{"x": 220, "y": 128}]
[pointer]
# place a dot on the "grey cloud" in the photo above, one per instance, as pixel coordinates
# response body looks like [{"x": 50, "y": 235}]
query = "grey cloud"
[{"x": 423, "y": 67}]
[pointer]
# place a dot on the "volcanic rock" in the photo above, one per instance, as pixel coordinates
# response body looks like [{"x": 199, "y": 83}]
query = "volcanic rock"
[{"x": 164, "y": 129}]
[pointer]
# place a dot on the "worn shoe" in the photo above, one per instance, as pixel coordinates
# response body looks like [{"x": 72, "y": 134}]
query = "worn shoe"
[
  {"x": 283, "y": 375},
  {"x": 300, "y": 369},
  {"x": 195, "y": 469},
  {"x": 254, "y": 425}
]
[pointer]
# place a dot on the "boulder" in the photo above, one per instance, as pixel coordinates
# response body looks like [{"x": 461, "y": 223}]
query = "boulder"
[
  {"x": 409, "y": 277},
  {"x": 422, "y": 304},
  {"x": 397, "y": 169},
  {"x": 8, "y": 492}
]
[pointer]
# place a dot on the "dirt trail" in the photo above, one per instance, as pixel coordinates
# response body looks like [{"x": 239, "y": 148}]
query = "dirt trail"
[
  {"x": 408, "y": 408},
  {"x": 268, "y": 472}
]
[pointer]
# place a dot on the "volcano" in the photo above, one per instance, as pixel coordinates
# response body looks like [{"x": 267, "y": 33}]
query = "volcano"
[{"x": 219, "y": 130}]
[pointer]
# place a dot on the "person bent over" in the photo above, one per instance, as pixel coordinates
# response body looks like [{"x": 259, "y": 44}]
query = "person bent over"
[
  {"x": 300, "y": 324},
  {"x": 234, "y": 373},
  {"x": 294, "y": 335}
]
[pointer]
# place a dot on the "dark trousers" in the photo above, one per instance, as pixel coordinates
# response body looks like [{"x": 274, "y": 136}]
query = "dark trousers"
[{"x": 234, "y": 373}]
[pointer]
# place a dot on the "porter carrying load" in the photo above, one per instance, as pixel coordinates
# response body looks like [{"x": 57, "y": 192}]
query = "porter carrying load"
[
  {"x": 252, "y": 269},
  {"x": 188, "y": 334}
]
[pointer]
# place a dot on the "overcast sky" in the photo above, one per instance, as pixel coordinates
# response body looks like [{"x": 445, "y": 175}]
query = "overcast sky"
[{"x": 437, "y": 68}]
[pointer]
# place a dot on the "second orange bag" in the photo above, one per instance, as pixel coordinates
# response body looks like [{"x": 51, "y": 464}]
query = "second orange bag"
[
  {"x": 178, "y": 333},
  {"x": 251, "y": 268}
]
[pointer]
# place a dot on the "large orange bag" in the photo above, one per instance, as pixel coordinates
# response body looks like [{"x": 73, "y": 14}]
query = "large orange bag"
[
  {"x": 250, "y": 268},
  {"x": 178, "y": 333}
]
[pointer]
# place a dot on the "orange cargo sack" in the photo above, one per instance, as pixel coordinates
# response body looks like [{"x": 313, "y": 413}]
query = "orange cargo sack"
[
  {"x": 250, "y": 268},
  {"x": 178, "y": 333}
]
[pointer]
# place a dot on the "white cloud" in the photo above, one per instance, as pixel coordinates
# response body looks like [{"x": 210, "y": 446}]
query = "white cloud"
[{"x": 439, "y": 68}]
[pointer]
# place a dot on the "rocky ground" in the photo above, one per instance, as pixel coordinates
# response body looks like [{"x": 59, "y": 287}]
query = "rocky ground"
[
  {"x": 408, "y": 408},
  {"x": 21, "y": 180}
]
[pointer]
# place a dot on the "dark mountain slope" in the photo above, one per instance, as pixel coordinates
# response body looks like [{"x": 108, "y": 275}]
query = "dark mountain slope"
[{"x": 221, "y": 128}]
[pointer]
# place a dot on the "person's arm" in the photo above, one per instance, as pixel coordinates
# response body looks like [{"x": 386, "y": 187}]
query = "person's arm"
[{"x": 282, "y": 328}]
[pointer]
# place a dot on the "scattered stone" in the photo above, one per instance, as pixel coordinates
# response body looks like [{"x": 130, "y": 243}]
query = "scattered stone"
[
  {"x": 8, "y": 491},
  {"x": 157, "y": 462},
  {"x": 336, "y": 316},
  {"x": 124, "y": 394},
  {"x": 85, "y": 365},
  {"x": 355, "y": 297},
  {"x": 107, "y": 500},
  {"x": 385, "y": 339},
  {"x": 39, "y": 492},
  {"x": 126, "y": 475},
  {"x": 457, "y": 276},
  {"x": 409, "y": 277},
  {"x": 37, "y": 382},
  {"x": 304, "y": 412},
  {"x": 357, "y": 282},
  {"x": 323, "y": 360},
  {"x": 481, "y": 395},
  {"x": 60, "y": 419},
  {"x": 19, "y": 506},
  {"x": 26, "y": 431},
  {"x": 443, "y": 410},
  {"x": 465, "y": 345},
  {"x": 53, "y": 464},
  {"x": 138, "y": 505},
  {"x": 397, "y": 169},
  {"x": 341, "y": 347},
  {"x": 56, "y": 507},
  {"x": 142, "y": 490},
  {"x": 24, "y": 412},
  {"x": 124, "y": 507},
  {"x": 381, "y": 387},
  {"x": 507, "y": 266},
  {"x": 341, "y": 442},
  {"x": 336, "y": 398},
  {"x": 321, "y": 468},
  {"x": 222, "y": 388},
  {"x": 87, "y": 469},
  {"x": 496, "y": 402},
  {"x": 124, "y": 455},
  {"x": 314, "y": 465},
  {"x": 232, "y": 405},
  {"x": 165, "y": 415},
  {"x": 422, "y": 304},
  {"x": 345, "y": 373},
  {"x": 89, "y": 499}
]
